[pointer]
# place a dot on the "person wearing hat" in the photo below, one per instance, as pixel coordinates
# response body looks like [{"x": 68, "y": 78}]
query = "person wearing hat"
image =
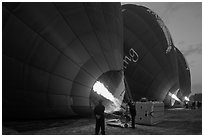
[{"x": 99, "y": 115}]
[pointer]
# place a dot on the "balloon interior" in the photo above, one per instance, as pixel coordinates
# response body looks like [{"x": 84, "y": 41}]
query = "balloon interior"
[{"x": 100, "y": 89}]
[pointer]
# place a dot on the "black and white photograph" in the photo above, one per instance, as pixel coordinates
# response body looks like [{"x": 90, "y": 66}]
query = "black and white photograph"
[{"x": 101, "y": 68}]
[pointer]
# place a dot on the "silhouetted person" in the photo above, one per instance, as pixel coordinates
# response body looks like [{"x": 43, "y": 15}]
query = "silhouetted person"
[
  {"x": 186, "y": 104},
  {"x": 199, "y": 104},
  {"x": 132, "y": 112},
  {"x": 99, "y": 114},
  {"x": 193, "y": 105}
]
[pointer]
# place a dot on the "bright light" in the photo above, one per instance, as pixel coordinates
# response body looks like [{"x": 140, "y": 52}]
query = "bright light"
[
  {"x": 186, "y": 98},
  {"x": 100, "y": 89},
  {"x": 174, "y": 97}
]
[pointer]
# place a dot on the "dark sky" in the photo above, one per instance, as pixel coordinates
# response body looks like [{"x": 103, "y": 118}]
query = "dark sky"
[{"x": 184, "y": 21}]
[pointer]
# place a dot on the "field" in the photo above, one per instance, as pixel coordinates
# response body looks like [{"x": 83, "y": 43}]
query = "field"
[{"x": 175, "y": 122}]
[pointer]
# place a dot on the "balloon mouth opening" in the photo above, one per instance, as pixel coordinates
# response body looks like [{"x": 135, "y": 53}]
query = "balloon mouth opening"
[{"x": 104, "y": 89}]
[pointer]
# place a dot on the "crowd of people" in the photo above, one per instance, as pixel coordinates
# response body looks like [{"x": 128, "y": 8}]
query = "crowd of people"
[{"x": 193, "y": 104}]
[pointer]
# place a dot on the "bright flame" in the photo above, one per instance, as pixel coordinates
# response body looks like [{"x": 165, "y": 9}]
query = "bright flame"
[
  {"x": 186, "y": 98},
  {"x": 100, "y": 89},
  {"x": 174, "y": 96}
]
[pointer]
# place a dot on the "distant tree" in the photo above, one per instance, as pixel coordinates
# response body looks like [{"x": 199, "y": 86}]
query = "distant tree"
[{"x": 196, "y": 97}]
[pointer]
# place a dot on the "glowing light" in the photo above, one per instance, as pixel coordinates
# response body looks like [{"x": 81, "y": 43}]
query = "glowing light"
[
  {"x": 186, "y": 98},
  {"x": 100, "y": 89},
  {"x": 174, "y": 96}
]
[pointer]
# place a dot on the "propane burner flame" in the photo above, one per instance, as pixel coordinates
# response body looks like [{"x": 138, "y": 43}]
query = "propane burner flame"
[
  {"x": 100, "y": 89},
  {"x": 186, "y": 98},
  {"x": 174, "y": 96}
]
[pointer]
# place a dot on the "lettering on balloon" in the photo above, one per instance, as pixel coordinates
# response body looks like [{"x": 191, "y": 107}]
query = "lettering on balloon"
[{"x": 131, "y": 57}]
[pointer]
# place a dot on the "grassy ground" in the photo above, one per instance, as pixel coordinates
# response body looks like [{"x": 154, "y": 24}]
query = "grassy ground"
[{"x": 176, "y": 122}]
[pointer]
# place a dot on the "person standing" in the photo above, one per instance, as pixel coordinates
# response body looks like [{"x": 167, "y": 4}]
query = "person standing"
[
  {"x": 100, "y": 120},
  {"x": 132, "y": 112}
]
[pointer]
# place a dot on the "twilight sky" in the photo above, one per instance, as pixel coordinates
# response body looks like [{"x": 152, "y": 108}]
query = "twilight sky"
[{"x": 184, "y": 21}]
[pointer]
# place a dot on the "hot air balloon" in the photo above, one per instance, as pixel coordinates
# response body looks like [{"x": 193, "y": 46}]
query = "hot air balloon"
[
  {"x": 150, "y": 58},
  {"x": 184, "y": 89},
  {"x": 53, "y": 53},
  {"x": 184, "y": 76}
]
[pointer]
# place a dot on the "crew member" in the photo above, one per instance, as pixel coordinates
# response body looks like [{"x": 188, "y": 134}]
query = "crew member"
[
  {"x": 99, "y": 114},
  {"x": 132, "y": 112}
]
